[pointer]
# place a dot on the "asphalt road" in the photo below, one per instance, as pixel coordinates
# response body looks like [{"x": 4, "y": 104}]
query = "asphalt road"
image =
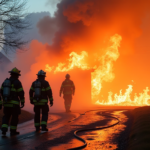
[{"x": 62, "y": 126}]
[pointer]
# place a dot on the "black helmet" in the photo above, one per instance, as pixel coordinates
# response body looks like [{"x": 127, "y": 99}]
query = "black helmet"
[
  {"x": 15, "y": 71},
  {"x": 41, "y": 73}
]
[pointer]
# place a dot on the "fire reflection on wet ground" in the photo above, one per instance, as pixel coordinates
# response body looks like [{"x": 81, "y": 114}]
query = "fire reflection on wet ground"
[
  {"x": 103, "y": 139},
  {"x": 98, "y": 139}
]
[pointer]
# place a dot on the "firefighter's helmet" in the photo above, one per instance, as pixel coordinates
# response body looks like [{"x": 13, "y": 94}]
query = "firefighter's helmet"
[
  {"x": 41, "y": 73},
  {"x": 15, "y": 71},
  {"x": 67, "y": 76}
]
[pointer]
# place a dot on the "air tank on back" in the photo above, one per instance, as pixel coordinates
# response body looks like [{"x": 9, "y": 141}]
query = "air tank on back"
[
  {"x": 6, "y": 89},
  {"x": 37, "y": 90}
]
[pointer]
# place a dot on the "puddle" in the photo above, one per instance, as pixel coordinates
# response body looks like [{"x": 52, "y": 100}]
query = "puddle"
[{"x": 98, "y": 139}]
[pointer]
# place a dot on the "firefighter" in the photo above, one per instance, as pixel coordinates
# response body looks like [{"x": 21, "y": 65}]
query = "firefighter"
[
  {"x": 12, "y": 94},
  {"x": 68, "y": 89},
  {"x": 40, "y": 92}
]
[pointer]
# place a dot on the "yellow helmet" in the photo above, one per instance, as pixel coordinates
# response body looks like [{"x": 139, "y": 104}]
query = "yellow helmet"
[{"x": 15, "y": 71}]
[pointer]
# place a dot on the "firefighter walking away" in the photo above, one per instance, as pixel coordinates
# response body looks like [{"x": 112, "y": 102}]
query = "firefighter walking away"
[
  {"x": 68, "y": 89},
  {"x": 12, "y": 94},
  {"x": 40, "y": 92}
]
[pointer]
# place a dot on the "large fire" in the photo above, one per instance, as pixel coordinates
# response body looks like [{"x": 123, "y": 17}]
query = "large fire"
[{"x": 103, "y": 71}]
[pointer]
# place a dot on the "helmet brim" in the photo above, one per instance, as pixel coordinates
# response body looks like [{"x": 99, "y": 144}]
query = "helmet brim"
[
  {"x": 15, "y": 73},
  {"x": 41, "y": 75}
]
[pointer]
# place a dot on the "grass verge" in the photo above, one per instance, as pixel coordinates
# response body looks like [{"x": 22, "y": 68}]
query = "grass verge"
[
  {"x": 25, "y": 116},
  {"x": 139, "y": 138}
]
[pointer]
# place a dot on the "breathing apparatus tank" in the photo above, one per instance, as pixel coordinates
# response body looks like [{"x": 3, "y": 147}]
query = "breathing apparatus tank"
[
  {"x": 37, "y": 90},
  {"x": 6, "y": 90}
]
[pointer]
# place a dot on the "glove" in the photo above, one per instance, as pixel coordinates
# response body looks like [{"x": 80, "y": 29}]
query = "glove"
[
  {"x": 51, "y": 103},
  {"x": 0, "y": 107},
  {"x": 31, "y": 102},
  {"x": 22, "y": 105}
]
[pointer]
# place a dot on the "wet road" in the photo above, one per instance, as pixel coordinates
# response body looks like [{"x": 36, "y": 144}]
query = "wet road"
[{"x": 62, "y": 126}]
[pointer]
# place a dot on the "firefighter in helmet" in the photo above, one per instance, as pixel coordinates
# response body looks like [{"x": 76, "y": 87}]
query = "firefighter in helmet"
[
  {"x": 12, "y": 94},
  {"x": 68, "y": 89},
  {"x": 40, "y": 92}
]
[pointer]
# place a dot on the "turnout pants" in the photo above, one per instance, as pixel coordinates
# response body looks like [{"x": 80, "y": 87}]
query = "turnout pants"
[
  {"x": 13, "y": 113},
  {"x": 37, "y": 120},
  {"x": 67, "y": 102}
]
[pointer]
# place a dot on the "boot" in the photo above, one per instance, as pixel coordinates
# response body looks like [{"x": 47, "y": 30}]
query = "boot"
[
  {"x": 4, "y": 131},
  {"x": 37, "y": 129},
  {"x": 68, "y": 111},
  {"x": 44, "y": 129},
  {"x": 12, "y": 133}
]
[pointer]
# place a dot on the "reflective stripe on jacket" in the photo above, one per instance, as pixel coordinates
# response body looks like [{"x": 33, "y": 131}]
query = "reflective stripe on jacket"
[
  {"x": 16, "y": 93},
  {"x": 46, "y": 93}
]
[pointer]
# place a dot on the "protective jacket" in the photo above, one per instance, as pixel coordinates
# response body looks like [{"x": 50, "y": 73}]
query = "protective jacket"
[
  {"x": 16, "y": 93},
  {"x": 67, "y": 87},
  {"x": 12, "y": 105},
  {"x": 46, "y": 93}
]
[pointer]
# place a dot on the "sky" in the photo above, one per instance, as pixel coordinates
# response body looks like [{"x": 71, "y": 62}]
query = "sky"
[
  {"x": 41, "y": 6},
  {"x": 34, "y": 6}
]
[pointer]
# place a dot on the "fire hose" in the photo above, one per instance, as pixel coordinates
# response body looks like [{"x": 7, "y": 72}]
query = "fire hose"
[
  {"x": 77, "y": 131},
  {"x": 91, "y": 129}
]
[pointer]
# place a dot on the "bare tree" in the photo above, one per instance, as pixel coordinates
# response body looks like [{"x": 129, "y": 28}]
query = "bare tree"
[{"x": 12, "y": 24}]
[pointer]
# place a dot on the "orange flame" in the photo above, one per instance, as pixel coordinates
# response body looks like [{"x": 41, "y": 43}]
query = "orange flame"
[
  {"x": 125, "y": 99},
  {"x": 75, "y": 61},
  {"x": 103, "y": 71}
]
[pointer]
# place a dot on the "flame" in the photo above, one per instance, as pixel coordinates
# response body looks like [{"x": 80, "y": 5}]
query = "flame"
[
  {"x": 75, "y": 61},
  {"x": 103, "y": 71},
  {"x": 125, "y": 99}
]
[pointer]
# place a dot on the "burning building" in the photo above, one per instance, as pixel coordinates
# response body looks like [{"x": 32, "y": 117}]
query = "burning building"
[{"x": 109, "y": 37}]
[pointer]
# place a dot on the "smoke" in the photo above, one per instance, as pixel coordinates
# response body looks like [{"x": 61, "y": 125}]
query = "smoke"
[{"x": 89, "y": 22}]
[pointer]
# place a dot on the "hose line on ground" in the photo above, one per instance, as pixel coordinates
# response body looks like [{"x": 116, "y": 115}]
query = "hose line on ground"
[{"x": 83, "y": 130}]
